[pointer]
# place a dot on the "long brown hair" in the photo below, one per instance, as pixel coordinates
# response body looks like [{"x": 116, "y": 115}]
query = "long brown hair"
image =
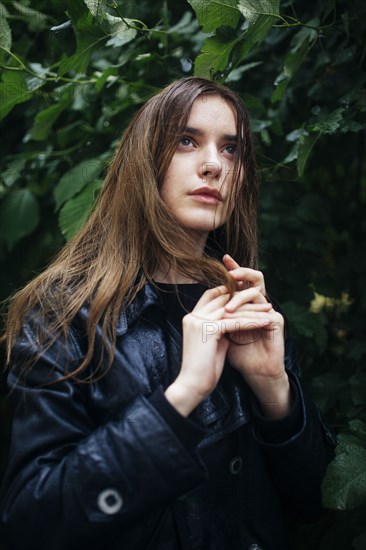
[{"x": 130, "y": 229}]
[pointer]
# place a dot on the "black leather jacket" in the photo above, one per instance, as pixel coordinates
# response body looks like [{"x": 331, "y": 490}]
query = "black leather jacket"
[{"x": 94, "y": 465}]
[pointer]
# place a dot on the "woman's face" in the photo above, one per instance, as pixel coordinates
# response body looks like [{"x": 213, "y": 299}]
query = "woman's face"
[{"x": 196, "y": 185}]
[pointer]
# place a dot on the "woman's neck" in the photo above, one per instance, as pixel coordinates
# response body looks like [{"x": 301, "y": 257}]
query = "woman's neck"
[
  {"x": 171, "y": 277},
  {"x": 166, "y": 274}
]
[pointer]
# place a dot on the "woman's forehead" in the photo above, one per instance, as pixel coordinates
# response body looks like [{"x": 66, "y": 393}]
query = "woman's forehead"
[{"x": 213, "y": 110}]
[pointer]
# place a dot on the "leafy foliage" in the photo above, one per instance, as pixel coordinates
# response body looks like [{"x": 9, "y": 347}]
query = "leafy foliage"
[
  {"x": 214, "y": 14},
  {"x": 72, "y": 74},
  {"x": 345, "y": 481}
]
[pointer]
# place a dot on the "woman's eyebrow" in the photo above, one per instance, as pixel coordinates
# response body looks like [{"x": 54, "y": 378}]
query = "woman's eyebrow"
[
  {"x": 198, "y": 132},
  {"x": 194, "y": 131},
  {"x": 230, "y": 137}
]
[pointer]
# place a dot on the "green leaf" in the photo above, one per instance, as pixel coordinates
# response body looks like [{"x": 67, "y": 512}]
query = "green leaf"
[
  {"x": 76, "y": 179},
  {"x": 88, "y": 38},
  {"x": 36, "y": 82},
  {"x": 358, "y": 427},
  {"x": 253, "y": 102},
  {"x": 119, "y": 30},
  {"x": 45, "y": 119},
  {"x": 259, "y": 125},
  {"x": 13, "y": 171},
  {"x": 236, "y": 74},
  {"x": 75, "y": 212},
  {"x": 19, "y": 215},
  {"x": 260, "y": 17},
  {"x": 65, "y": 36},
  {"x": 70, "y": 134},
  {"x": 187, "y": 24},
  {"x": 98, "y": 8},
  {"x": 306, "y": 323},
  {"x": 292, "y": 63},
  {"x": 5, "y": 35},
  {"x": 330, "y": 123},
  {"x": 76, "y": 9},
  {"x": 215, "y": 55},
  {"x": 3, "y": 10},
  {"x": 328, "y": 8},
  {"x": 13, "y": 90},
  {"x": 109, "y": 76},
  {"x": 35, "y": 19},
  {"x": 254, "y": 9},
  {"x": 305, "y": 146},
  {"x": 212, "y": 14},
  {"x": 352, "y": 126},
  {"x": 344, "y": 484}
]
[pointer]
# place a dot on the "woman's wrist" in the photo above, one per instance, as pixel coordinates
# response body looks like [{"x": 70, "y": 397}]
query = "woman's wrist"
[
  {"x": 181, "y": 398},
  {"x": 274, "y": 397}
]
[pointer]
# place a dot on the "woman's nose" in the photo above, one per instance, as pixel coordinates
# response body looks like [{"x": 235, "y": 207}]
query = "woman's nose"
[{"x": 211, "y": 164}]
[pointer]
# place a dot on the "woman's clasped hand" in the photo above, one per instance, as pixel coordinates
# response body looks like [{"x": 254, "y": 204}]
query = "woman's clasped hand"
[{"x": 242, "y": 327}]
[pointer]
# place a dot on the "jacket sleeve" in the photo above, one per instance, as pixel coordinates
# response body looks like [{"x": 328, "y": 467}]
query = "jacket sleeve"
[
  {"x": 72, "y": 479},
  {"x": 297, "y": 459}
]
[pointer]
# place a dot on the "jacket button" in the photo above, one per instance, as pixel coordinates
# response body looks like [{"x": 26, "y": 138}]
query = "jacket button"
[
  {"x": 254, "y": 547},
  {"x": 110, "y": 501},
  {"x": 235, "y": 465}
]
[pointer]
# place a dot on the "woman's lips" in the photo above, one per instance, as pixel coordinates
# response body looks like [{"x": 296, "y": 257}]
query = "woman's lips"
[
  {"x": 207, "y": 195},
  {"x": 205, "y": 198}
]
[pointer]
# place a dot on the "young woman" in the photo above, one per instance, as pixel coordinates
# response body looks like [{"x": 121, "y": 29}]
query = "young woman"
[{"x": 157, "y": 405}]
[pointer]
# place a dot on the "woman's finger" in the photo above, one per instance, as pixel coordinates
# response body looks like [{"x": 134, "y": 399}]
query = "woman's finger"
[
  {"x": 251, "y": 277},
  {"x": 244, "y": 309},
  {"x": 249, "y": 295},
  {"x": 219, "y": 292},
  {"x": 243, "y": 324},
  {"x": 211, "y": 303},
  {"x": 251, "y": 306},
  {"x": 229, "y": 262},
  {"x": 256, "y": 321},
  {"x": 248, "y": 275}
]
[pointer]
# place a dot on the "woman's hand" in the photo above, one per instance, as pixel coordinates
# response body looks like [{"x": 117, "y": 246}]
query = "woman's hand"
[
  {"x": 258, "y": 354},
  {"x": 205, "y": 346}
]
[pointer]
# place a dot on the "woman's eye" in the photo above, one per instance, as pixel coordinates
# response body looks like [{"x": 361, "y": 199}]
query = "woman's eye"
[
  {"x": 231, "y": 149},
  {"x": 185, "y": 141}
]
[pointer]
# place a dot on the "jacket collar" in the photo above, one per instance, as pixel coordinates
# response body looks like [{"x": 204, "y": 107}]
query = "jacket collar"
[{"x": 147, "y": 297}]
